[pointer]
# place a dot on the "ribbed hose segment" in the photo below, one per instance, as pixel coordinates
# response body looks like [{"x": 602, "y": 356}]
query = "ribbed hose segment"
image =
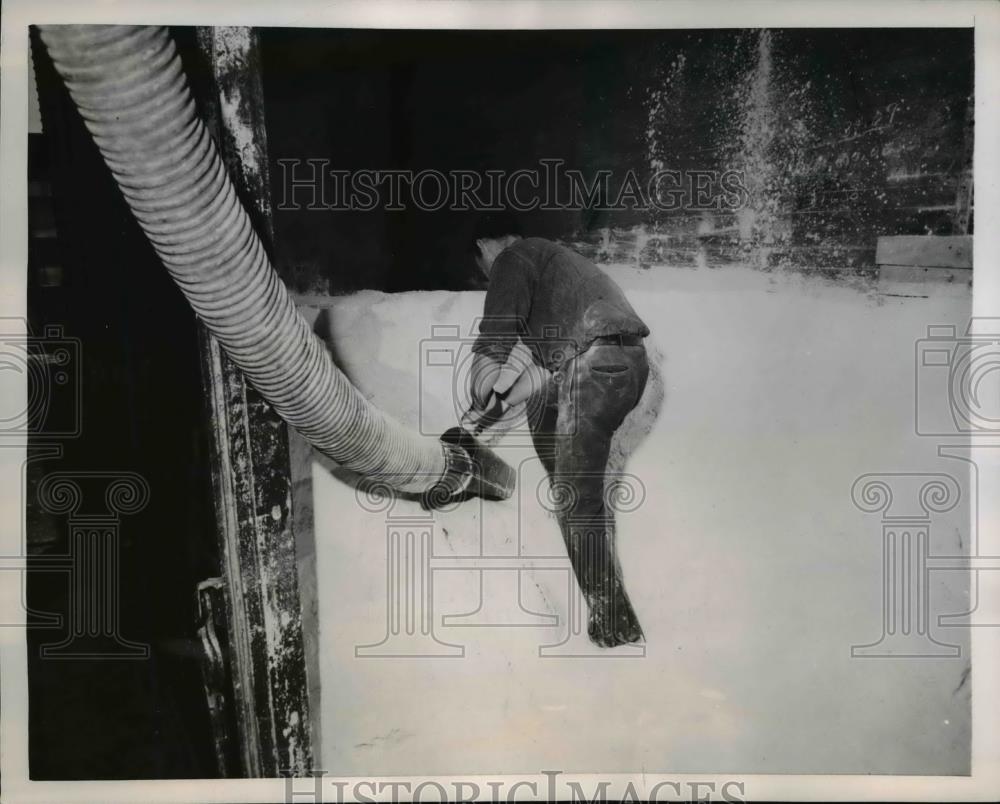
[{"x": 128, "y": 84}]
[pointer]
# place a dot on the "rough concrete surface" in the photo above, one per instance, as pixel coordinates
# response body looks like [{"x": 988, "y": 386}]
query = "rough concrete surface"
[{"x": 751, "y": 569}]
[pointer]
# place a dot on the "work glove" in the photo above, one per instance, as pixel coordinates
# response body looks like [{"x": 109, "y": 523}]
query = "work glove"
[{"x": 478, "y": 420}]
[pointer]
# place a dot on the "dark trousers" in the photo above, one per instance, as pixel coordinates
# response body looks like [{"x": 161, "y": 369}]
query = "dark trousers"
[{"x": 584, "y": 404}]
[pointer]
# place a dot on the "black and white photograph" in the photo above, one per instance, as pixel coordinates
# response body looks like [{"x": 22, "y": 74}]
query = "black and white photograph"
[{"x": 444, "y": 401}]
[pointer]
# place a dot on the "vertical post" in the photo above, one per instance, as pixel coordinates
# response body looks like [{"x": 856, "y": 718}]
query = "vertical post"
[
  {"x": 251, "y": 466},
  {"x": 963, "y": 193},
  {"x": 237, "y": 111}
]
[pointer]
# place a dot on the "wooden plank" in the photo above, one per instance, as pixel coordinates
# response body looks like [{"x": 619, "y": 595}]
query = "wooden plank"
[
  {"x": 237, "y": 112},
  {"x": 251, "y": 466},
  {"x": 925, "y": 251},
  {"x": 963, "y": 193},
  {"x": 253, "y": 498},
  {"x": 917, "y": 273}
]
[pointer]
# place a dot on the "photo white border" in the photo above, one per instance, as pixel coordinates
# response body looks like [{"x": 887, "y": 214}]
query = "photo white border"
[{"x": 984, "y": 784}]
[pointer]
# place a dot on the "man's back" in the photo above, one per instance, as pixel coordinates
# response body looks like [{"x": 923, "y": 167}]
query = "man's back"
[{"x": 555, "y": 298}]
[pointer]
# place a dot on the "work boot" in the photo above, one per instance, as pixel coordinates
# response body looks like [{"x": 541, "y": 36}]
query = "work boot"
[{"x": 613, "y": 621}]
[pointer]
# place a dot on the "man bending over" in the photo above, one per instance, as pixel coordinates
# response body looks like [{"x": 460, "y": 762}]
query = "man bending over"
[{"x": 590, "y": 369}]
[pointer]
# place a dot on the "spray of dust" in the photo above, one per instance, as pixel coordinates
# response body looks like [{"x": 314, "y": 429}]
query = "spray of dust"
[
  {"x": 736, "y": 101},
  {"x": 759, "y": 220}
]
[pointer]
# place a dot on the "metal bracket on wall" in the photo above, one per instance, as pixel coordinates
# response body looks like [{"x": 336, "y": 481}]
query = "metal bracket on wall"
[{"x": 213, "y": 633}]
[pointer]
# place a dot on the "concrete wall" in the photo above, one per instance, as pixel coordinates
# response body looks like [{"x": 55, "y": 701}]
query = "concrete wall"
[{"x": 750, "y": 567}]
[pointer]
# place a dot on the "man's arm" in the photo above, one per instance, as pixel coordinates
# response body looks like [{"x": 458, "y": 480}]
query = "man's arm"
[
  {"x": 530, "y": 382},
  {"x": 505, "y": 317},
  {"x": 484, "y": 375}
]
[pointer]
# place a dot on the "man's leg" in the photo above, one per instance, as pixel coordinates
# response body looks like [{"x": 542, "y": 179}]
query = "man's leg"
[
  {"x": 542, "y": 418},
  {"x": 602, "y": 386}
]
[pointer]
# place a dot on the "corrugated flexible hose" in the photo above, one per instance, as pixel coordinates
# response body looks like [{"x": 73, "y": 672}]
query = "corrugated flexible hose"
[{"x": 128, "y": 85}]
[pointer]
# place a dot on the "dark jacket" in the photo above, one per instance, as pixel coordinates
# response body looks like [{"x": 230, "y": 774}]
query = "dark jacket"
[{"x": 555, "y": 300}]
